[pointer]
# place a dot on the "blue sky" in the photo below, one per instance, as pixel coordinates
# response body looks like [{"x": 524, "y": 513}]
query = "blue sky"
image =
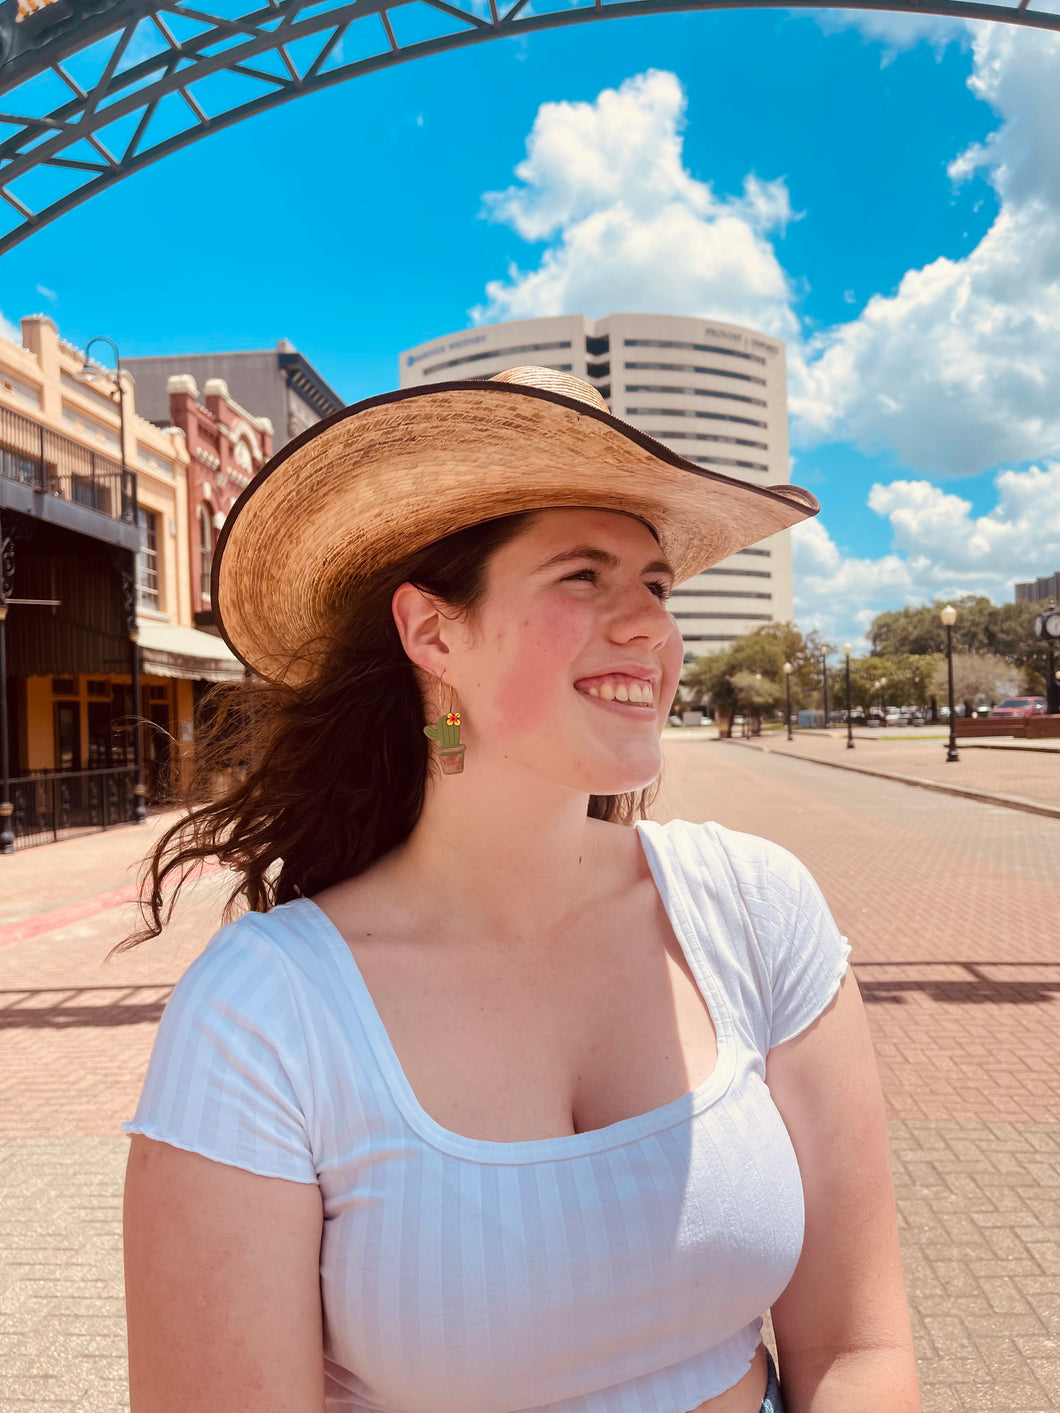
[{"x": 909, "y": 178}]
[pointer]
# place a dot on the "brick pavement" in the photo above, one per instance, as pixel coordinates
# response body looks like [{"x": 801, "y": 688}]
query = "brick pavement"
[
  {"x": 950, "y": 907},
  {"x": 37, "y": 880},
  {"x": 1028, "y": 774}
]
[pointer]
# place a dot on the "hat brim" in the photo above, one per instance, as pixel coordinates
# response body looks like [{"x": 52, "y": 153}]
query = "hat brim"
[{"x": 390, "y": 475}]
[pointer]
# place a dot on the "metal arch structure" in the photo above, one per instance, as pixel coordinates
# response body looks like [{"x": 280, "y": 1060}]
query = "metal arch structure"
[{"x": 94, "y": 90}]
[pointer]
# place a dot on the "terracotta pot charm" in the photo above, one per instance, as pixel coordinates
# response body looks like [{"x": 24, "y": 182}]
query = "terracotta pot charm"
[{"x": 445, "y": 733}]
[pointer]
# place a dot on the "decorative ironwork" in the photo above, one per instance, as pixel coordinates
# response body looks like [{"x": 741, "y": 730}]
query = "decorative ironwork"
[
  {"x": 124, "y": 562},
  {"x": 7, "y": 566},
  {"x": 34, "y": 455},
  {"x": 52, "y": 805},
  {"x": 99, "y": 89}
]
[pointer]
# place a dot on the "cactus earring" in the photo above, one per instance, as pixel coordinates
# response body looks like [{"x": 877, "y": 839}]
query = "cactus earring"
[{"x": 445, "y": 733}]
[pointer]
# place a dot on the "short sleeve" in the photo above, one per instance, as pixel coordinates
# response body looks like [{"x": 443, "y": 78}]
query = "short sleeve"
[
  {"x": 808, "y": 955},
  {"x": 228, "y": 1076},
  {"x": 801, "y": 956}
]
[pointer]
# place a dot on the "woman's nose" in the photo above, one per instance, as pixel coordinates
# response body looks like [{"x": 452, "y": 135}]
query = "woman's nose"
[{"x": 649, "y": 619}]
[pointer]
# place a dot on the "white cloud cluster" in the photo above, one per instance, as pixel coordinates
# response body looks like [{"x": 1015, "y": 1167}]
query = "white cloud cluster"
[
  {"x": 938, "y": 548},
  {"x": 895, "y": 30},
  {"x": 953, "y": 372},
  {"x": 630, "y": 227}
]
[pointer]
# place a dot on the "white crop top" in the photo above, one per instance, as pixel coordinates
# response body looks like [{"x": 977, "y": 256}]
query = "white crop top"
[{"x": 621, "y": 1270}]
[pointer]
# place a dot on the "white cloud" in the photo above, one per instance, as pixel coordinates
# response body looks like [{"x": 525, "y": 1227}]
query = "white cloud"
[
  {"x": 48, "y": 294},
  {"x": 9, "y": 331},
  {"x": 895, "y": 30},
  {"x": 953, "y": 372},
  {"x": 630, "y": 227},
  {"x": 938, "y": 547}
]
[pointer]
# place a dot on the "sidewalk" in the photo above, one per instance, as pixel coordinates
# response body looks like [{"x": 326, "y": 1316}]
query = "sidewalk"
[
  {"x": 1017, "y": 778},
  {"x": 41, "y": 880}
]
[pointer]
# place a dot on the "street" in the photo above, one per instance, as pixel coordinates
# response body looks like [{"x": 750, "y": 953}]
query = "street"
[{"x": 950, "y": 905}]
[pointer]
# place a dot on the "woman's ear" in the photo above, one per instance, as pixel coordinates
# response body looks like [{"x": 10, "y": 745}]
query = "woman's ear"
[{"x": 427, "y": 634}]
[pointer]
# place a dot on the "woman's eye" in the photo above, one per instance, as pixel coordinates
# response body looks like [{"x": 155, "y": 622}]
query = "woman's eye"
[{"x": 658, "y": 587}]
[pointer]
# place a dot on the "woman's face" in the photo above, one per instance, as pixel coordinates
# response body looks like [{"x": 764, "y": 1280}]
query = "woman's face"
[{"x": 574, "y": 621}]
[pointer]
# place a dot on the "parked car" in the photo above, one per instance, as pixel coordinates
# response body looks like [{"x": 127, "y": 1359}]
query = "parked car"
[{"x": 1019, "y": 706}]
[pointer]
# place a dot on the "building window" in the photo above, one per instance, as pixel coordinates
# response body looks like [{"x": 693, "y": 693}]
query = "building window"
[
  {"x": 743, "y": 617},
  {"x": 743, "y": 573},
  {"x": 205, "y": 551},
  {"x": 695, "y": 392},
  {"x": 496, "y": 353},
  {"x": 719, "y": 594},
  {"x": 693, "y": 347},
  {"x": 685, "y": 368},
  {"x": 147, "y": 562}
]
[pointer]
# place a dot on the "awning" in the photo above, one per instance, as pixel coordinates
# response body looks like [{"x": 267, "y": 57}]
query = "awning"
[{"x": 167, "y": 651}]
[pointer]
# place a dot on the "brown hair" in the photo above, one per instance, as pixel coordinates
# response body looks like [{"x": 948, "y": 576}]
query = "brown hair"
[{"x": 331, "y": 775}]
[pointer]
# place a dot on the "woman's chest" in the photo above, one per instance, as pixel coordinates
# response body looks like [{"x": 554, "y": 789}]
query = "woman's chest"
[
  {"x": 486, "y": 1285},
  {"x": 528, "y": 1042}
]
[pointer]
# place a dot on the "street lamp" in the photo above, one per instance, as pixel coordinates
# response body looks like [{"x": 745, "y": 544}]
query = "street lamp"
[
  {"x": 850, "y": 729},
  {"x": 949, "y": 618},
  {"x": 129, "y": 512},
  {"x": 787, "y": 687}
]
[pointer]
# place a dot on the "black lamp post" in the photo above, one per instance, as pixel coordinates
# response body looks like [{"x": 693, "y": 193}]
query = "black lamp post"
[
  {"x": 787, "y": 688},
  {"x": 949, "y": 618},
  {"x": 130, "y": 512},
  {"x": 7, "y": 809},
  {"x": 850, "y": 729}
]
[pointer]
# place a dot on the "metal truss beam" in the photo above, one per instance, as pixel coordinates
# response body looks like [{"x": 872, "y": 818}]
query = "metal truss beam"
[{"x": 94, "y": 90}]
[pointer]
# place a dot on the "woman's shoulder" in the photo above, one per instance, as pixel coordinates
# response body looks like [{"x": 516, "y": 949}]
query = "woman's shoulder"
[
  {"x": 751, "y": 857},
  {"x": 260, "y": 958}
]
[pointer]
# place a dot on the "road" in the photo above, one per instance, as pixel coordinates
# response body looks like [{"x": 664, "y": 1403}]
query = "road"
[{"x": 950, "y": 907}]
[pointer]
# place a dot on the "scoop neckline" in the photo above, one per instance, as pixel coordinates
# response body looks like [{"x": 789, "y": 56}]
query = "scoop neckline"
[{"x": 623, "y": 1132}]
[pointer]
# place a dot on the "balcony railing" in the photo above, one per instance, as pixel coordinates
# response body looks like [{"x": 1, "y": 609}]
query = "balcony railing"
[
  {"x": 60, "y": 803},
  {"x": 36, "y": 456}
]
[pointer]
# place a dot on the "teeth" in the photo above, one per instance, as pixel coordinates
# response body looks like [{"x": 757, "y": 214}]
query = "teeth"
[{"x": 638, "y": 692}]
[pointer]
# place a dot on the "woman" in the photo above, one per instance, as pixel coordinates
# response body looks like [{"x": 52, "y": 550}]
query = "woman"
[{"x": 502, "y": 1096}]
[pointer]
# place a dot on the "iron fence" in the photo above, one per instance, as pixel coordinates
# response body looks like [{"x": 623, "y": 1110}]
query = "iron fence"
[
  {"x": 36, "y": 456},
  {"x": 55, "y": 804}
]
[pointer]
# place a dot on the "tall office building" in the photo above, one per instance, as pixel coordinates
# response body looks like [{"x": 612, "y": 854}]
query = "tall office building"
[{"x": 714, "y": 393}]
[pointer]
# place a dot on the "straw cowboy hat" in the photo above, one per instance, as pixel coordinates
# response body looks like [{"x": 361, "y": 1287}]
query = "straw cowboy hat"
[{"x": 388, "y": 476}]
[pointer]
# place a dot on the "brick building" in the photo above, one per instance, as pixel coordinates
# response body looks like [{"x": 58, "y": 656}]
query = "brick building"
[{"x": 227, "y": 446}]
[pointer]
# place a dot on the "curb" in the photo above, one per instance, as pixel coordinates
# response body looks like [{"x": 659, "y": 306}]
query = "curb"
[
  {"x": 1011, "y": 802},
  {"x": 84, "y": 908}
]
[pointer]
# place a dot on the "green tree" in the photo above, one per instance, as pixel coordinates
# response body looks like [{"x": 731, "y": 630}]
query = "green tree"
[
  {"x": 975, "y": 676},
  {"x": 754, "y": 693},
  {"x": 1004, "y": 630}
]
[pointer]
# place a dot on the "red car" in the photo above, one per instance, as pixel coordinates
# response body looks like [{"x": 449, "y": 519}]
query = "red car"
[{"x": 1019, "y": 706}]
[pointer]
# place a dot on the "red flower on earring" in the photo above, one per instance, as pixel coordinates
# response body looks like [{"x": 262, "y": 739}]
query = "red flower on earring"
[{"x": 452, "y": 718}]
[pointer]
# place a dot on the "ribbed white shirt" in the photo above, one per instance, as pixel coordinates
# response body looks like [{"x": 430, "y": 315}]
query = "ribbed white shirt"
[{"x": 622, "y": 1270}]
